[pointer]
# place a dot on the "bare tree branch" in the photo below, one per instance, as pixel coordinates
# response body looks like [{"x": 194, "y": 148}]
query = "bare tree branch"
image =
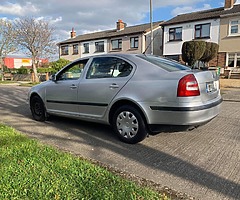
[
  {"x": 7, "y": 40},
  {"x": 35, "y": 38}
]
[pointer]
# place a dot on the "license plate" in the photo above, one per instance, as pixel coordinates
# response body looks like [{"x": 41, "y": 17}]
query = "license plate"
[{"x": 211, "y": 86}]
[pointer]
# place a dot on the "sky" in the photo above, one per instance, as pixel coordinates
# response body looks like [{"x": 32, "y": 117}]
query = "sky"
[{"x": 87, "y": 16}]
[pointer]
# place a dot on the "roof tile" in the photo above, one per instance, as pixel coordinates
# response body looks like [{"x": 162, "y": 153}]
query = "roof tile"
[{"x": 113, "y": 33}]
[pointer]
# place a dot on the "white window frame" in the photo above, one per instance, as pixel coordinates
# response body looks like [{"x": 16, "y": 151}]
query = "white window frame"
[
  {"x": 235, "y": 59},
  {"x": 99, "y": 47},
  {"x": 86, "y": 46},
  {"x": 119, "y": 44},
  {"x": 230, "y": 25},
  {"x": 64, "y": 50},
  {"x": 75, "y": 50}
]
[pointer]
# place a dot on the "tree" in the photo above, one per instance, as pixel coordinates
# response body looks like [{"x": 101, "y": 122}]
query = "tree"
[
  {"x": 7, "y": 40},
  {"x": 193, "y": 51},
  {"x": 211, "y": 51},
  {"x": 35, "y": 38},
  {"x": 59, "y": 64}
]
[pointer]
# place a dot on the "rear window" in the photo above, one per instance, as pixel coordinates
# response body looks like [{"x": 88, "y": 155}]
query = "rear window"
[{"x": 167, "y": 64}]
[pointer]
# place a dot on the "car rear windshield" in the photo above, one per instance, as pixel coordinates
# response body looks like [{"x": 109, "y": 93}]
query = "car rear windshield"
[{"x": 167, "y": 64}]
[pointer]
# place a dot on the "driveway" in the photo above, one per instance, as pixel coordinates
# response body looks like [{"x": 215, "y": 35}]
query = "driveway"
[{"x": 203, "y": 163}]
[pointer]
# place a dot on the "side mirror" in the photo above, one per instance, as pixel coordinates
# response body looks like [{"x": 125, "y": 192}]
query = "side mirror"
[{"x": 53, "y": 77}]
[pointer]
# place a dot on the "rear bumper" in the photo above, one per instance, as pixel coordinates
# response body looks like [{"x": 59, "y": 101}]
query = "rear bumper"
[{"x": 195, "y": 115}]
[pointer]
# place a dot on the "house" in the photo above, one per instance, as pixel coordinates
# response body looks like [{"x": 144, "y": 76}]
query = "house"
[
  {"x": 122, "y": 39},
  {"x": 220, "y": 25}
]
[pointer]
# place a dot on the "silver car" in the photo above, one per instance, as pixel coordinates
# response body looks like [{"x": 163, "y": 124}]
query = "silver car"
[{"x": 134, "y": 93}]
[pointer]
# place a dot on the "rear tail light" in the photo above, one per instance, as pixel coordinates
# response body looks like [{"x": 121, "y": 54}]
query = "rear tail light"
[{"x": 188, "y": 86}]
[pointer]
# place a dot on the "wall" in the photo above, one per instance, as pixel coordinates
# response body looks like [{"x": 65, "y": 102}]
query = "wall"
[
  {"x": 228, "y": 43},
  {"x": 92, "y": 48},
  {"x": 126, "y": 44},
  {"x": 188, "y": 31}
]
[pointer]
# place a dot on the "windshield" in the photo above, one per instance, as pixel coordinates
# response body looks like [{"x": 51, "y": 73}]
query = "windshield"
[{"x": 169, "y": 65}]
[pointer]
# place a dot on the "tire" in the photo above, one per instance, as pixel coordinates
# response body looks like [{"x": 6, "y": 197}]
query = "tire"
[
  {"x": 129, "y": 125},
  {"x": 38, "y": 109}
]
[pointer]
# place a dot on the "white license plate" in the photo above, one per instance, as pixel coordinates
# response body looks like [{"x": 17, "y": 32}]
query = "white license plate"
[{"x": 211, "y": 86}]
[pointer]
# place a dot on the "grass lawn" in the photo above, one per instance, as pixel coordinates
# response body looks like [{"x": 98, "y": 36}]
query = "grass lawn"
[
  {"x": 31, "y": 170},
  {"x": 27, "y": 84}
]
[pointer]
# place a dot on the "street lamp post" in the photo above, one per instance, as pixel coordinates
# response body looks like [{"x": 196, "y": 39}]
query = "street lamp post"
[{"x": 151, "y": 27}]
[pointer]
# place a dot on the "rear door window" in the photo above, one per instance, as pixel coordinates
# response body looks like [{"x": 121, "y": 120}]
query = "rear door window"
[{"x": 108, "y": 67}]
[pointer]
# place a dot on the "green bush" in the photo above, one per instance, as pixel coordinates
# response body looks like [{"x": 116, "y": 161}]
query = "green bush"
[
  {"x": 59, "y": 64},
  {"x": 23, "y": 70},
  {"x": 45, "y": 70},
  {"x": 193, "y": 51},
  {"x": 210, "y": 52}
]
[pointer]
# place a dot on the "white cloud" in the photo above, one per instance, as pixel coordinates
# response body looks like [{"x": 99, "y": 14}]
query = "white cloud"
[
  {"x": 188, "y": 9},
  {"x": 91, "y": 15},
  {"x": 86, "y": 16},
  {"x": 17, "y": 9}
]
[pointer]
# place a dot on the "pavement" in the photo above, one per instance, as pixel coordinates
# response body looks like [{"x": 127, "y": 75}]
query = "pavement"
[{"x": 200, "y": 164}]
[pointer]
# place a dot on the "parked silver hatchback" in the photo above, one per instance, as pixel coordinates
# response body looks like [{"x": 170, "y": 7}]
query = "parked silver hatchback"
[{"x": 134, "y": 93}]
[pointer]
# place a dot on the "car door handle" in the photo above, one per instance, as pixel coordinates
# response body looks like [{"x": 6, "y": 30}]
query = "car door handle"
[
  {"x": 114, "y": 86},
  {"x": 73, "y": 86}
]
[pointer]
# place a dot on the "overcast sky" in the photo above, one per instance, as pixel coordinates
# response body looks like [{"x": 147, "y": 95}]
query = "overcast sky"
[{"x": 96, "y": 15}]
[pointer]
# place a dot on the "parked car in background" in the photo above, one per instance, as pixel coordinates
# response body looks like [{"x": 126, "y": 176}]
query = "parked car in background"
[{"x": 134, "y": 93}]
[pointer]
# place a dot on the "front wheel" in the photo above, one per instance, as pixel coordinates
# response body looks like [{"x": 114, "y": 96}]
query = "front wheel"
[
  {"x": 38, "y": 109},
  {"x": 129, "y": 124}
]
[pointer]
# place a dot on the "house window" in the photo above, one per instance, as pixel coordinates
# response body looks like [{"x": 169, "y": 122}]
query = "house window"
[
  {"x": 202, "y": 31},
  {"x": 175, "y": 34},
  {"x": 233, "y": 60},
  {"x": 75, "y": 49},
  {"x": 64, "y": 50},
  {"x": 134, "y": 42},
  {"x": 99, "y": 46},
  {"x": 234, "y": 27},
  {"x": 86, "y": 48},
  {"x": 117, "y": 44}
]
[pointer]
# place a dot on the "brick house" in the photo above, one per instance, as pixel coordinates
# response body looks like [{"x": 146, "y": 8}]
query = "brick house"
[
  {"x": 122, "y": 39},
  {"x": 219, "y": 25}
]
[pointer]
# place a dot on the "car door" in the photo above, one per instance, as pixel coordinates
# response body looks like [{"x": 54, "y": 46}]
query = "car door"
[
  {"x": 105, "y": 77},
  {"x": 62, "y": 93}
]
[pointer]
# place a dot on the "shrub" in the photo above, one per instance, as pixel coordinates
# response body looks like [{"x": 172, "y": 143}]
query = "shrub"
[
  {"x": 211, "y": 51},
  {"x": 59, "y": 64},
  {"x": 23, "y": 70},
  {"x": 193, "y": 51}
]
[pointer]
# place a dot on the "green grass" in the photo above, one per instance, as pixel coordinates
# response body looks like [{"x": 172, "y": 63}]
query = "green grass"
[
  {"x": 31, "y": 170},
  {"x": 7, "y": 82},
  {"x": 27, "y": 84}
]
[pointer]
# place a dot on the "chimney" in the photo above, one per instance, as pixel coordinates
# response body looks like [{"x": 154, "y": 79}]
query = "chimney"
[
  {"x": 229, "y": 4},
  {"x": 73, "y": 33},
  {"x": 120, "y": 25}
]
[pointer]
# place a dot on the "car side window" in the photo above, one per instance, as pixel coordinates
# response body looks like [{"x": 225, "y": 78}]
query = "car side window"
[
  {"x": 108, "y": 67},
  {"x": 74, "y": 71}
]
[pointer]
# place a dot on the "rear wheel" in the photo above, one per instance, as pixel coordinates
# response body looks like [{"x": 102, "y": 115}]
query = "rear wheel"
[
  {"x": 129, "y": 124},
  {"x": 38, "y": 109}
]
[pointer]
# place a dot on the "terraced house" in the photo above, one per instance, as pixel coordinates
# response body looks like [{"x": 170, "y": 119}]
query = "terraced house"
[
  {"x": 122, "y": 39},
  {"x": 220, "y": 25}
]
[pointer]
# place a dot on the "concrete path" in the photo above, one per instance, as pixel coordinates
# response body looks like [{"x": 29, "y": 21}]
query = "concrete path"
[{"x": 203, "y": 163}]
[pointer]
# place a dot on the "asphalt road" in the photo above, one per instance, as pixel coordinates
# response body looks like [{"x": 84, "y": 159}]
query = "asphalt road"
[{"x": 203, "y": 163}]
